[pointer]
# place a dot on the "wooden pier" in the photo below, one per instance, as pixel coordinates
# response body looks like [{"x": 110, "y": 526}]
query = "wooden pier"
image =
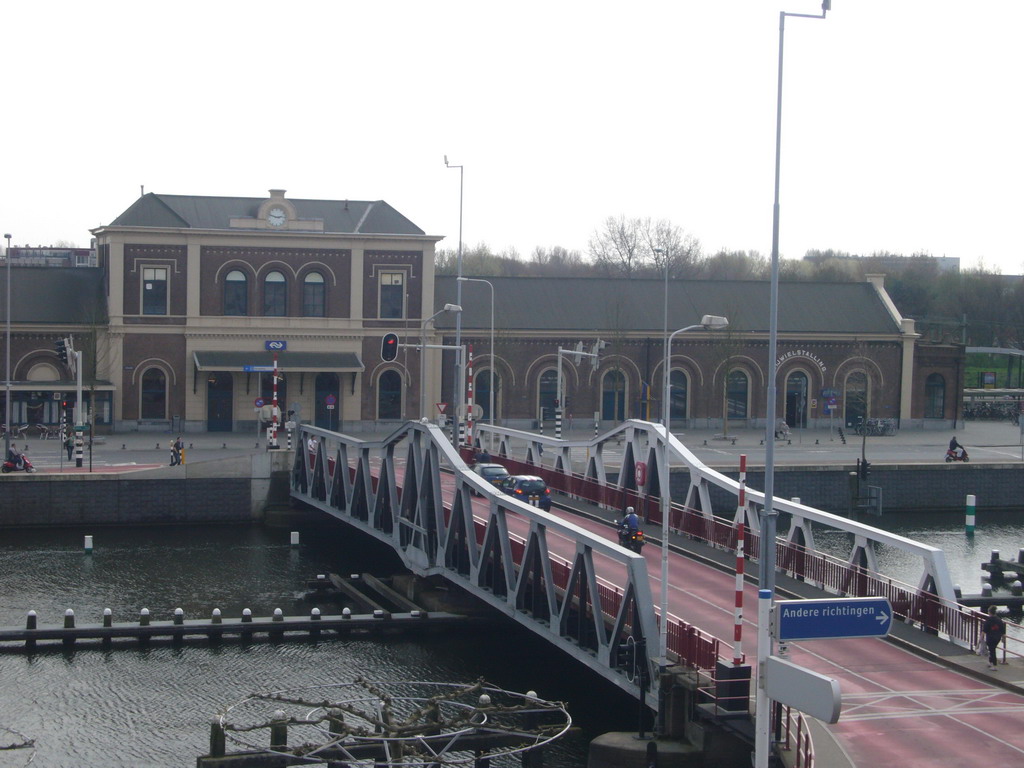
[{"x": 384, "y": 611}]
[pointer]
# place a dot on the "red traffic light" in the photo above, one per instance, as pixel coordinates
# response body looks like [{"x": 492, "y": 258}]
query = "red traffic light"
[{"x": 389, "y": 347}]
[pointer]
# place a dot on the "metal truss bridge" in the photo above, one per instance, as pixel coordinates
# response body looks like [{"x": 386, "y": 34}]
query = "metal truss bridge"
[{"x": 565, "y": 577}]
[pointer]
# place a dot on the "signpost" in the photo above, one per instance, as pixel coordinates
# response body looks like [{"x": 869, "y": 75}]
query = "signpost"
[{"x": 831, "y": 619}]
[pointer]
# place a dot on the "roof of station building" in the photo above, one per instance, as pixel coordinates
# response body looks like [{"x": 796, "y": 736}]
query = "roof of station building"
[
  {"x": 606, "y": 305},
  {"x": 353, "y": 217}
]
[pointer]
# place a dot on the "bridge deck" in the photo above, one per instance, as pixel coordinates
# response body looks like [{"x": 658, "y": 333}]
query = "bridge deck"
[{"x": 900, "y": 707}]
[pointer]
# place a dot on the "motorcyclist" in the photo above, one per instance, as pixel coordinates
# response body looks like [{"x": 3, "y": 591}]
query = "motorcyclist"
[
  {"x": 630, "y": 522},
  {"x": 15, "y": 458},
  {"x": 955, "y": 448}
]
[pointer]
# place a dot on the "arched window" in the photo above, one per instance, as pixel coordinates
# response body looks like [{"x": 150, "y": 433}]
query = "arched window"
[
  {"x": 314, "y": 296},
  {"x": 153, "y": 398},
  {"x": 547, "y": 393},
  {"x": 856, "y": 398},
  {"x": 737, "y": 394},
  {"x": 482, "y": 393},
  {"x": 236, "y": 293},
  {"x": 678, "y": 395},
  {"x": 389, "y": 395},
  {"x": 613, "y": 396},
  {"x": 935, "y": 396},
  {"x": 275, "y": 295}
]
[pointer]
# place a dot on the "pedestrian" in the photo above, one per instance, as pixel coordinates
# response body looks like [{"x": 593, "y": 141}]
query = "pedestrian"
[
  {"x": 179, "y": 446},
  {"x": 69, "y": 444},
  {"x": 994, "y": 628},
  {"x": 176, "y": 452}
]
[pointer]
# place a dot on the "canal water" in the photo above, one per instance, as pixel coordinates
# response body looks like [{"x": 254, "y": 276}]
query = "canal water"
[{"x": 140, "y": 708}]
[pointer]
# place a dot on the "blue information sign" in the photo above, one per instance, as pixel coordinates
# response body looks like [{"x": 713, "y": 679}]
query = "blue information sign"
[
  {"x": 839, "y": 617},
  {"x": 275, "y": 345},
  {"x": 257, "y": 368}
]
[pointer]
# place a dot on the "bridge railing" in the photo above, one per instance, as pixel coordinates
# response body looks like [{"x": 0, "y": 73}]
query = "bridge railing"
[{"x": 932, "y": 601}]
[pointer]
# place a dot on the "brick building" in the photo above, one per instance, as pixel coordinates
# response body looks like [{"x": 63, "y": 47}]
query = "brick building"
[{"x": 194, "y": 296}]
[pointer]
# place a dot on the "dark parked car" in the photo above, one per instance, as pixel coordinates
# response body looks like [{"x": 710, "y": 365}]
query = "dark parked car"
[
  {"x": 528, "y": 488},
  {"x": 495, "y": 474}
]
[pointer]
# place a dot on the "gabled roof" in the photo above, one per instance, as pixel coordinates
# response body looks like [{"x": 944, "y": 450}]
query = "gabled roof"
[
  {"x": 200, "y": 212},
  {"x": 55, "y": 295},
  {"x": 637, "y": 305}
]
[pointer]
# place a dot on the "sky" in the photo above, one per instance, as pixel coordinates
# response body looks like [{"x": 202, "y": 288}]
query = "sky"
[{"x": 902, "y": 120}]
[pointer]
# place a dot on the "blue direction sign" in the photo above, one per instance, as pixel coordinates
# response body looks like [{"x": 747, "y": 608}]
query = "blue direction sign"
[
  {"x": 840, "y": 617},
  {"x": 257, "y": 368}
]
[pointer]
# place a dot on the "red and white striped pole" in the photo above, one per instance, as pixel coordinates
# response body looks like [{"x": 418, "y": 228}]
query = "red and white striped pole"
[
  {"x": 469, "y": 395},
  {"x": 274, "y": 410},
  {"x": 737, "y": 630}
]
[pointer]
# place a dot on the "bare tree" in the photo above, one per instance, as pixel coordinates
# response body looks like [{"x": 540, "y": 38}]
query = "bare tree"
[
  {"x": 617, "y": 247},
  {"x": 672, "y": 248}
]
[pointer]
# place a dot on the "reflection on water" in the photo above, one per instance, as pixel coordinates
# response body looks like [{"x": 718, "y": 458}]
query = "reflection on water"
[{"x": 133, "y": 707}]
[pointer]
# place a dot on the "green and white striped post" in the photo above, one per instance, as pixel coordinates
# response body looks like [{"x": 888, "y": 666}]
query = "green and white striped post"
[{"x": 969, "y": 522}]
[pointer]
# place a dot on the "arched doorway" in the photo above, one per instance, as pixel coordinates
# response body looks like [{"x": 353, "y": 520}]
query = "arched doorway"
[
  {"x": 153, "y": 397},
  {"x": 389, "y": 395},
  {"x": 220, "y": 392},
  {"x": 327, "y": 402},
  {"x": 856, "y": 399},
  {"x": 546, "y": 394},
  {"x": 796, "y": 399},
  {"x": 613, "y": 396},
  {"x": 482, "y": 393}
]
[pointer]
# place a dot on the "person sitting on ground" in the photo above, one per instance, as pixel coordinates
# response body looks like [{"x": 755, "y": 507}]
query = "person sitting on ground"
[{"x": 955, "y": 447}]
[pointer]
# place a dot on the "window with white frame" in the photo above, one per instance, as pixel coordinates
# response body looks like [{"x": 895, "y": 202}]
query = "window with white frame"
[
  {"x": 154, "y": 290},
  {"x": 392, "y": 295}
]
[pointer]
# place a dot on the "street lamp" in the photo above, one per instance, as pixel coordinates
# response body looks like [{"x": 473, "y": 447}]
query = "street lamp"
[
  {"x": 457, "y": 391},
  {"x": 708, "y": 323},
  {"x": 490, "y": 389},
  {"x": 423, "y": 348},
  {"x": 7, "y": 402},
  {"x": 766, "y": 569}
]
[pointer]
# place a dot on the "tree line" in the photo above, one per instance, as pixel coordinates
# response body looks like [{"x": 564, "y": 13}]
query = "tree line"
[{"x": 974, "y": 306}]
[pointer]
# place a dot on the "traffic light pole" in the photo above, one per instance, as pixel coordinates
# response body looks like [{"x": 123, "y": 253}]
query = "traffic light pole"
[{"x": 78, "y": 409}]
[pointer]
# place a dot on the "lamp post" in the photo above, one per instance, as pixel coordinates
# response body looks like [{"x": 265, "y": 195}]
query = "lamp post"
[
  {"x": 708, "y": 323},
  {"x": 490, "y": 389},
  {"x": 457, "y": 391},
  {"x": 766, "y": 569},
  {"x": 423, "y": 349},
  {"x": 7, "y": 402},
  {"x": 661, "y": 252}
]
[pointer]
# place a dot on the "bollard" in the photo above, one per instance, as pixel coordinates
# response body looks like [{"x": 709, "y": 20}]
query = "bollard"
[
  {"x": 69, "y": 619},
  {"x": 336, "y": 719},
  {"x": 969, "y": 521},
  {"x": 30, "y": 620},
  {"x": 179, "y": 617},
  {"x": 278, "y": 615},
  {"x": 995, "y": 556},
  {"x": 218, "y": 743},
  {"x": 1017, "y": 589},
  {"x": 108, "y": 617},
  {"x": 295, "y": 538},
  {"x": 279, "y": 730},
  {"x": 958, "y": 591},
  {"x": 246, "y": 616},
  {"x": 215, "y": 617},
  {"x": 144, "y": 617},
  {"x": 346, "y": 613},
  {"x": 88, "y": 544},
  {"x": 378, "y": 613},
  {"x": 314, "y": 615},
  {"x": 986, "y": 590}
]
